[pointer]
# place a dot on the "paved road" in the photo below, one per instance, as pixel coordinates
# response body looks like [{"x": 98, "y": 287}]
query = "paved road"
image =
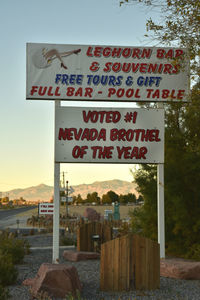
[{"x": 9, "y": 217}]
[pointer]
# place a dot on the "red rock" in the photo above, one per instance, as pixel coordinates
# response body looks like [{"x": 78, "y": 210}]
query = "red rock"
[
  {"x": 57, "y": 280},
  {"x": 29, "y": 281},
  {"x": 80, "y": 255},
  {"x": 91, "y": 214},
  {"x": 180, "y": 268}
]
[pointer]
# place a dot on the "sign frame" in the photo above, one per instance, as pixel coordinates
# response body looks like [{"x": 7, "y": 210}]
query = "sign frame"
[
  {"x": 79, "y": 139},
  {"x": 46, "y": 208},
  {"x": 106, "y": 73}
]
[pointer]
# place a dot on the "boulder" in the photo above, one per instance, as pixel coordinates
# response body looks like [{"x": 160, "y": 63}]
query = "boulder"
[
  {"x": 80, "y": 255},
  {"x": 180, "y": 268},
  {"x": 91, "y": 214},
  {"x": 57, "y": 280}
]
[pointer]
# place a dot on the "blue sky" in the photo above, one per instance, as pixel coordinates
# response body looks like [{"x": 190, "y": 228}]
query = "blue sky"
[{"x": 27, "y": 128}]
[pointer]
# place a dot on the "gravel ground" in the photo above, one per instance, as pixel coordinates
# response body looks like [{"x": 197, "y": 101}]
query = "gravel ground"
[{"x": 89, "y": 274}]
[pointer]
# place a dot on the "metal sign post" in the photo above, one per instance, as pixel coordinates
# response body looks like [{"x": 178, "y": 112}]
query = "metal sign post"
[
  {"x": 56, "y": 214},
  {"x": 67, "y": 190},
  {"x": 93, "y": 64},
  {"x": 161, "y": 204},
  {"x": 161, "y": 209}
]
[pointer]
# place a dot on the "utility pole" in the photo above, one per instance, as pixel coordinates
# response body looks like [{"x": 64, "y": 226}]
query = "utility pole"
[
  {"x": 67, "y": 190},
  {"x": 62, "y": 182}
]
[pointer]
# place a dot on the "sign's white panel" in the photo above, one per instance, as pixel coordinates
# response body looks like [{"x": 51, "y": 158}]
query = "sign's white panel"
[
  {"x": 46, "y": 208},
  {"x": 106, "y": 73},
  {"x": 109, "y": 135}
]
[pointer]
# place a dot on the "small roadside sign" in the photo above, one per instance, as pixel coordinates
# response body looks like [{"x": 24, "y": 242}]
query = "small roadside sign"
[
  {"x": 46, "y": 208},
  {"x": 63, "y": 199}
]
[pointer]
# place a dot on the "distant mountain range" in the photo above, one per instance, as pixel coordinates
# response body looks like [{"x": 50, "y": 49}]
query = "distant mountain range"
[{"x": 44, "y": 192}]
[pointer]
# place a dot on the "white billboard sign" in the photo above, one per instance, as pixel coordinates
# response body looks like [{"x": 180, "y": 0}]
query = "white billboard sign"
[
  {"x": 67, "y": 199},
  {"x": 106, "y": 73},
  {"x": 46, "y": 208},
  {"x": 109, "y": 135}
]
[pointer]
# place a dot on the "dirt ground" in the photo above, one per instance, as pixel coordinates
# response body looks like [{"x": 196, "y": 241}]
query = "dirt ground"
[{"x": 124, "y": 210}]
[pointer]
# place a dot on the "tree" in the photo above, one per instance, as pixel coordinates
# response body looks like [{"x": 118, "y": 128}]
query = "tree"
[
  {"x": 110, "y": 197},
  {"x": 93, "y": 197},
  {"x": 128, "y": 198},
  {"x": 77, "y": 199},
  {"x": 179, "y": 26},
  {"x": 5, "y": 199},
  {"x": 182, "y": 177}
]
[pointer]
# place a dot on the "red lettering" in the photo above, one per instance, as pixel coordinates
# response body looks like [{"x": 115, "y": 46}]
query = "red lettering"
[
  {"x": 129, "y": 93},
  {"x": 126, "y": 67},
  {"x": 86, "y": 116},
  {"x": 180, "y": 94},
  {"x": 136, "y": 53},
  {"x": 116, "y": 52},
  {"x": 70, "y": 91},
  {"x": 120, "y": 93},
  {"x": 88, "y": 92},
  {"x": 153, "y": 135},
  {"x": 143, "y": 151},
  {"x": 160, "y": 53},
  {"x": 173, "y": 96},
  {"x": 94, "y": 66},
  {"x": 126, "y": 52},
  {"x": 143, "y": 68},
  {"x": 179, "y": 52},
  {"x": 79, "y": 152},
  {"x": 79, "y": 92},
  {"x": 42, "y": 90},
  {"x": 156, "y": 94},
  {"x": 33, "y": 89},
  {"x": 169, "y": 54},
  {"x": 167, "y": 68},
  {"x": 102, "y": 135},
  {"x": 57, "y": 91},
  {"x": 146, "y": 53},
  {"x": 101, "y": 116},
  {"x": 107, "y": 52},
  {"x": 50, "y": 91},
  {"x": 102, "y": 152},
  {"x": 107, "y": 67},
  {"x": 113, "y": 134},
  {"x": 144, "y": 135},
  {"x": 77, "y": 134},
  {"x": 62, "y": 134},
  {"x": 135, "y": 67},
  {"x": 111, "y": 92},
  {"x": 137, "y": 95},
  {"x": 165, "y": 94},
  {"x": 116, "y": 67},
  {"x": 97, "y": 51},
  {"x": 176, "y": 69},
  {"x": 85, "y": 134},
  {"x": 89, "y": 51},
  {"x": 157, "y": 139}
]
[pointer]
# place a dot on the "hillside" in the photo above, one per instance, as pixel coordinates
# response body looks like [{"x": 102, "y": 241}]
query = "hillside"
[
  {"x": 44, "y": 192},
  {"x": 102, "y": 187}
]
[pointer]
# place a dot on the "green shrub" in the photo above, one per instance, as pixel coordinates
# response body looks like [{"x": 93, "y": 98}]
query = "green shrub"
[
  {"x": 194, "y": 252},
  {"x": 42, "y": 296},
  {"x": 71, "y": 297},
  {"x": 16, "y": 248},
  {"x": 4, "y": 294},
  {"x": 8, "y": 272},
  {"x": 67, "y": 241}
]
